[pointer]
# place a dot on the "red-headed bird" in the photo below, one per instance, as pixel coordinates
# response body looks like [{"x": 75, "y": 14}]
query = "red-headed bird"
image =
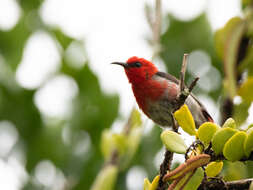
[{"x": 156, "y": 91}]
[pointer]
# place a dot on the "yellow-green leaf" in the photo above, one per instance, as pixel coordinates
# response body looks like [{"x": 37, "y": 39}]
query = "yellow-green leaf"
[
  {"x": 185, "y": 120},
  {"x": 106, "y": 178},
  {"x": 245, "y": 90},
  {"x": 230, "y": 56},
  {"x": 222, "y": 35},
  {"x": 173, "y": 142},
  {"x": 154, "y": 183},
  {"x": 135, "y": 119},
  {"x": 180, "y": 183},
  {"x": 220, "y": 138},
  {"x": 132, "y": 144},
  {"x": 147, "y": 184},
  {"x": 248, "y": 144},
  {"x": 233, "y": 149},
  {"x": 206, "y": 131},
  {"x": 195, "y": 180},
  {"x": 230, "y": 122},
  {"x": 107, "y": 143},
  {"x": 214, "y": 168},
  {"x": 111, "y": 142}
]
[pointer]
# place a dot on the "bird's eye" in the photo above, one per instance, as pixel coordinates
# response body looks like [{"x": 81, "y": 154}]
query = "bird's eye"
[{"x": 137, "y": 64}]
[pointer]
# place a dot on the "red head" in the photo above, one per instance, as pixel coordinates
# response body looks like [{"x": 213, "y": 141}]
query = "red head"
[{"x": 138, "y": 69}]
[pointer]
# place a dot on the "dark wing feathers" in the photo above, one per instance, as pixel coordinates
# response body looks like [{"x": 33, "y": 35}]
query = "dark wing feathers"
[{"x": 168, "y": 77}]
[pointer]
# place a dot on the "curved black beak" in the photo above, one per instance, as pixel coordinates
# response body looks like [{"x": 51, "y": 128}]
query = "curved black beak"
[{"x": 125, "y": 65}]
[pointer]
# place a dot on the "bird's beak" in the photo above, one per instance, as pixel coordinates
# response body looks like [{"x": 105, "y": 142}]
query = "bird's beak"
[{"x": 125, "y": 65}]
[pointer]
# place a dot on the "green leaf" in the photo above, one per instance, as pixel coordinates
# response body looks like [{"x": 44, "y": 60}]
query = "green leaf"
[
  {"x": 180, "y": 183},
  {"x": 240, "y": 112},
  {"x": 190, "y": 181},
  {"x": 106, "y": 143},
  {"x": 230, "y": 56},
  {"x": 230, "y": 122},
  {"x": 106, "y": 178},
  {"x": 220, "y": 138},
  {"x": 173, "y": 142},
  {"x": 233, "y": 149},
  {"x": 221, "y": 36},
  {"x": 135, "y": 119},
  {"x": 185, "y": 36},
  {"x": 133, "y": 141},
  {"x": 195, "y": 180},
  {"x": 214, "y": 168},
  {"x": 245, "y": 90},
  {"x": 248, "y": 144},
  {"x": 185, "y": 120},
  {"x": 206, "y": 131}
]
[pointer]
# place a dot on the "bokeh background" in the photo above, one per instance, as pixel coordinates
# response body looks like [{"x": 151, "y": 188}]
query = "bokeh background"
[{"x": 58, "y": 91}]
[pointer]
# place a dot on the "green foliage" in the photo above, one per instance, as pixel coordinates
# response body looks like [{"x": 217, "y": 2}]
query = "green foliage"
[
  {"x": 220, "y": 138},
  {"x": 230, "y": 122},
  {"x": 184, "y": 37},
  {"x": 43, "y": 140},
  {"x": 106, "y": 178},
  {"x": 206, "y": 132},
  {"x": 94, "y": 111},
  {"x": 214, "y": 168},
  {"x": 248, "y": 144},
  {"x": 233, "y": 149},
  {"x": 195, "y": 180}
]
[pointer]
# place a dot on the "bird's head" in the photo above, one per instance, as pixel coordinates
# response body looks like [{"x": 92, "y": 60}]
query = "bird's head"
[{"x": 138, "y": 69}]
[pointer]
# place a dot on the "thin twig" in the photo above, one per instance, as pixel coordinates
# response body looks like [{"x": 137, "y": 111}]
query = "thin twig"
[
  {"x": 182, "y": 73},
  {"x": 157, "y": 23},
  {"x": 193, "y": 84}
]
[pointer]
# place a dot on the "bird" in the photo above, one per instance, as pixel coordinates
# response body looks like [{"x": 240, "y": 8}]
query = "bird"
[{"x": 156, "y": 92}]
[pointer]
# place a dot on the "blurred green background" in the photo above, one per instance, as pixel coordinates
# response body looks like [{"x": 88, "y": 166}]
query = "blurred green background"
[{"x": 51, "y": 152}]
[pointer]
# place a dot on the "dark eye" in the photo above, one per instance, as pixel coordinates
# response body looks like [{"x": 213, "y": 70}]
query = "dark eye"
[{"x": 137, "y": 64}]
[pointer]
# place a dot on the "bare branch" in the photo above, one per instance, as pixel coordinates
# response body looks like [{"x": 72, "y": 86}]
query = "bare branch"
[
  {"x": 182, "y": 73},
  {"x": 193, "y": 84},
  {"x": 214, "y": 184}
]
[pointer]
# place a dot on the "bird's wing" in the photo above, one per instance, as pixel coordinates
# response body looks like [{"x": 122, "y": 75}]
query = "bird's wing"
[
  {"x": 174, "y": 79},
  {"x": 167, "y": 76}
]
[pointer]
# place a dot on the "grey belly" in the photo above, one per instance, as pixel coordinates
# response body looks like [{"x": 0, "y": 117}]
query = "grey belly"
[{"x": 160, "y": 113}]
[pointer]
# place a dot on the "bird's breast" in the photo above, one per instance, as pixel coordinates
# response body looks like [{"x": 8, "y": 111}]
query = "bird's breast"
[{"x": 155, "y": 99}]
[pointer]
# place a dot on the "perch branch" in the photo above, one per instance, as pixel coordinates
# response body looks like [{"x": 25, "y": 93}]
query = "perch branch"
[{"x": 214, "y": 184}]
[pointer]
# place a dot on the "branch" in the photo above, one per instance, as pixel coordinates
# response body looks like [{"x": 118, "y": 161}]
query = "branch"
[
  {"x": 155, "y": 25},
  {"x": 214, "y": 184},
  {"x": 184, "y": 91},
  {"x": 182, "y": 73}
]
